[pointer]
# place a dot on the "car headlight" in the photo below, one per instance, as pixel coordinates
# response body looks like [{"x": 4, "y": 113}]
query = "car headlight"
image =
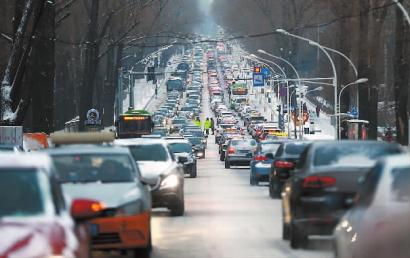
[
  {"x": 130, "y": 208},
  {"x": 170, "y": 182}
]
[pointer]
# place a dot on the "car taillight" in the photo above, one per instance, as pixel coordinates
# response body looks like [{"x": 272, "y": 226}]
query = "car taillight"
[
  {"x": 261, "y": 158},
  {"x": 319, "y": 182},
  {"x": 284, "y": 164},
  {"x": 231, "y": 150}
]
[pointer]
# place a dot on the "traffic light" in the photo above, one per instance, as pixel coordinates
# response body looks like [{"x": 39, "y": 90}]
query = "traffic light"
[
  {"x": 257, "y": 69},
  {"x": 151, "y": 74},
  {"x": 281, "y": 122}
]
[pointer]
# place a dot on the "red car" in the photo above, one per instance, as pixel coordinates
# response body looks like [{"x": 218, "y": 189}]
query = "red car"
[{"x": 33, "y": 212}]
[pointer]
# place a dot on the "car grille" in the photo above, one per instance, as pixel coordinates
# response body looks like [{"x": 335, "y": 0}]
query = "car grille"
[
  {"x": 106, "y": 238},
  {"x": 183, "y": 159}
]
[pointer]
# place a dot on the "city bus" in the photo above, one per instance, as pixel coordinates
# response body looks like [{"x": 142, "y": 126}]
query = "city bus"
[{"x": 134, "y": 124}]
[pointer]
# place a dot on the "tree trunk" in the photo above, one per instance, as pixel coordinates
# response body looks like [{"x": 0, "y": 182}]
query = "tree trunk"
[
  {"x": 43, "y": 71},
  {"x": 91, "y": 64},
  {"x": 401, "y": 78}
]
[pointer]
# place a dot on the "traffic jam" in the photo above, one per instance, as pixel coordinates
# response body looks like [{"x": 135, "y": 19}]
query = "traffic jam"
[{"x": 131, "y": 191}]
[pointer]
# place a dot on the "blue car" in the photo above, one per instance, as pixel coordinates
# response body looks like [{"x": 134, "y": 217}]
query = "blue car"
[{"x": 261, "y": 164}]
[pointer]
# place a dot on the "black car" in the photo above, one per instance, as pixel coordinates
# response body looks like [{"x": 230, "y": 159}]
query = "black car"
[
  {"x": 286, "y": 159},
  {"x": 182, "y": 149},
  {"x": 323, "y": 187},
  {"x": 198, "y": 145}
]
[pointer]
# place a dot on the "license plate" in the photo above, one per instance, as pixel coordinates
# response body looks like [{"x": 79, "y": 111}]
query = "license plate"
[{"x": 94, "y": 230}]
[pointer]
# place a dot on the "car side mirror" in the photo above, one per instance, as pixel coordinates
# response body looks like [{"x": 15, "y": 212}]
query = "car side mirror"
[
  {"x": 85, "y": 209},
  {"x": 269, "y": 155}
]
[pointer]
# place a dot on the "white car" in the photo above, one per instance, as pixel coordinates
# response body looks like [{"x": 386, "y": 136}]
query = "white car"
[{"x": 378, "y": 225}]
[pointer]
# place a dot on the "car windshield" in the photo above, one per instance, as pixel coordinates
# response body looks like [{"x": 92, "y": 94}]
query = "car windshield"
[
  {"x": 180, "y": 147},
  {"x": 86, "y": 168},
  {"x": 270, "y": 148},
  {"x": 400, "y": 184},
  {"x": 29, "y": 199},
  {"x": 358, "y": 155},
  {"x": 145, "y": 152}
]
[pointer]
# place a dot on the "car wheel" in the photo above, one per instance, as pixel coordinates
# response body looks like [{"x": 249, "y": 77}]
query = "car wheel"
[
  {"x": 193, "y": 173},
  {"x": 296, "y": 237},
  {"x": 253, "y": 180},
  {"x": 227, "y": 164},
  {"x": 179, "y": 208},
  {"x": 275, "y": 190},
  {"x": 285, "y": 231}
]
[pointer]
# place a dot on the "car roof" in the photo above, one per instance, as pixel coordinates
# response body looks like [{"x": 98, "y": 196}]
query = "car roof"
[
  {"x": 32, "y": 160},
  {"x": 170, "y": 141},
  {"x": 87, "y": 149},
  {"x": 139, "y": 141},
  {"x": 399, "y": 160}
]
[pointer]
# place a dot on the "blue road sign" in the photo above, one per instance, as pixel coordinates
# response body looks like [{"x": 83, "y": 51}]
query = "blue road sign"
[
  {"x": 266, "y": 72},
  {"x": 354, "y": 112},
  {"x": 258, "y": 80}
]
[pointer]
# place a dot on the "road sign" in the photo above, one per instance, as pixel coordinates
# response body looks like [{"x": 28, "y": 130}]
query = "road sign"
[
  {"x": 258, "y": 80},
  {"x": 266, "y": 72}
]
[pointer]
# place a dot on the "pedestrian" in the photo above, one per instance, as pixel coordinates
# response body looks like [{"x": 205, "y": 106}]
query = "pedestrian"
[
  {"x": 317, "y": 111},
  {"x": 207, "y": 125},
  {"x": 213, "y": 126},
  {"x": 156, "y": 90},
  {"x": 197, "y": 122},
  {"x": 388, "y": 136}
]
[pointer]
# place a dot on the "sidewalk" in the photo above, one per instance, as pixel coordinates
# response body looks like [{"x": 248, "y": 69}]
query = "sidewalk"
[{"x": 144, "y": 92}]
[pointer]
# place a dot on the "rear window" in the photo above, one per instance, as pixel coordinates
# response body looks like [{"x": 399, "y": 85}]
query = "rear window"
[
  {"x": 363, "y": 155},
  {"x": 401, "y": 184},
  {"x": 180, "y": 147},
  {"x": 247, "y": 142},
  {"x": 270, "y": 148},
  {"x": 295, "y": 149},
  {"x": 155, "y": 152},
  {"x": 23, "y": 195}
]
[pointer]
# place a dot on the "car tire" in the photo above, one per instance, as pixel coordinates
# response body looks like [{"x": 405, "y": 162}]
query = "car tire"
[
  {"x": 227, "y": 164},
  {"x": 193, "y": 173},
  {"x": 285, "y": 231},
  {"x": 274, "y": 190},
  {"x": 296, "y": 237},
  {"x": 179, "y": 208},
  {"x": 253, "y": 180},
  {"x": 222, "y": 157}
]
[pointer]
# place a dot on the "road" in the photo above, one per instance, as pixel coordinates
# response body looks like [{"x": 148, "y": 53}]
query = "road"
[{"x": 225, "y": 217}]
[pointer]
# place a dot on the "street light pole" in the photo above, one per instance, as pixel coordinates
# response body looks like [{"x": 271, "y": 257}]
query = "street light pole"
[
  {"x": 357, "y": 82},
  {"x": 285, "y": 61},
  {"x": 284, "y": 32}
]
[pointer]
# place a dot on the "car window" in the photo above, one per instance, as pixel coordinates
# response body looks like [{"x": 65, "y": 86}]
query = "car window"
[
  {"x": 295, "y": 148},
  {"x": 270, "y": 148},
  {"x": 369, "y": 186},
  {"x": 86, "y": 168},
  {"x": 195, "y": 140},
  {"x": 29, "y": 199},
  {"x": 145, "y": 152},
  {"x": 401, "y": 184},
  {"x": 351, "y": 154},
  {"x": 180, "y": 147}
]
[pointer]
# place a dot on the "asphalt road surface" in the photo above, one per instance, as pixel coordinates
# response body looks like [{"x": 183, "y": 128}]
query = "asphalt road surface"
[{"x": 224, "y": 217}]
